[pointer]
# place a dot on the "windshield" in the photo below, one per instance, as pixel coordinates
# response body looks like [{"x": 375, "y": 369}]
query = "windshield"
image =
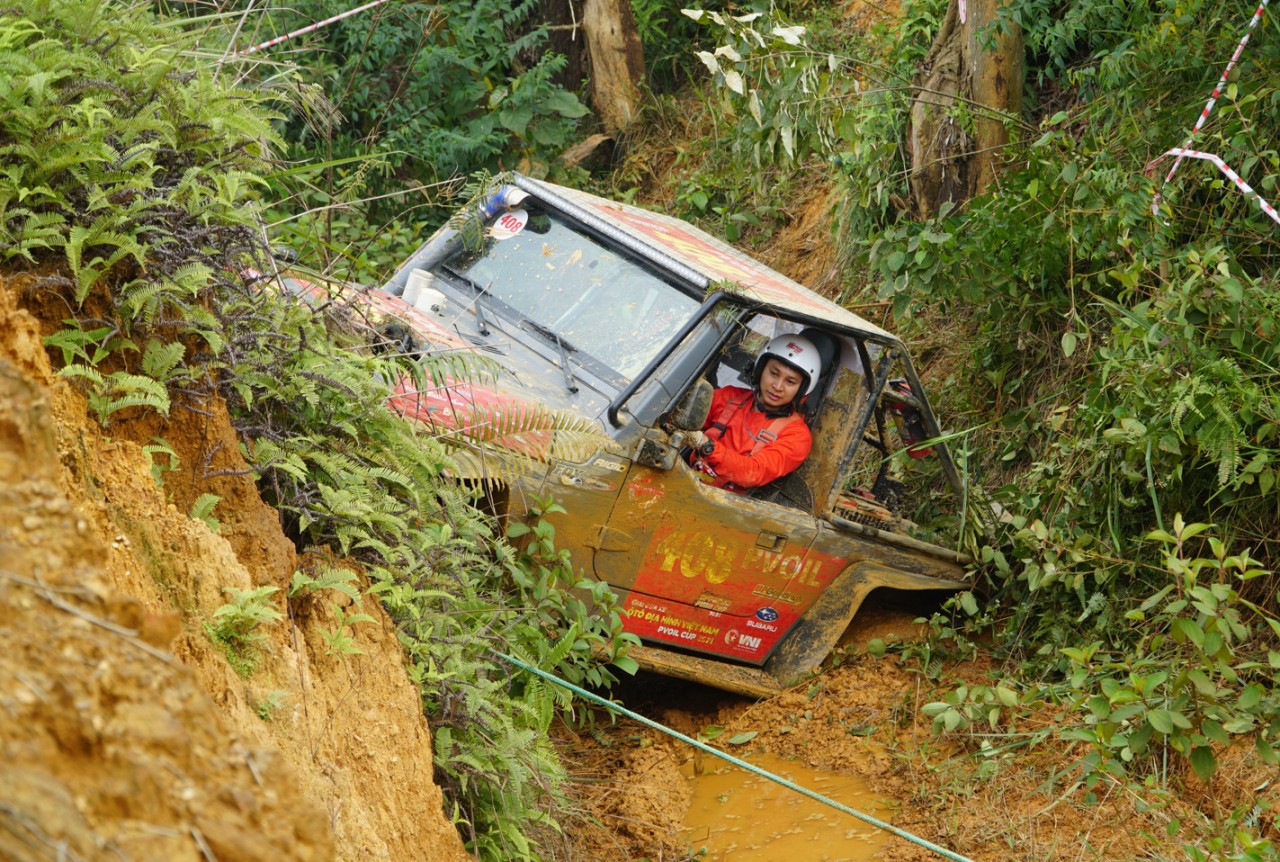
[{"x": 597, "y": 301}]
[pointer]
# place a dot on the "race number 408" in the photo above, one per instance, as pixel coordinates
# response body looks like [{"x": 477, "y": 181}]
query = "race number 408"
[{"x": 509, "y": 224}]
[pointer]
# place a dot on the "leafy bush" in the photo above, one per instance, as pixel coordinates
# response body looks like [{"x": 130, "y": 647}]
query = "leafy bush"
[
  {"x": 1190, "y": 683},
  {"x": 667, "y": 36},
  {"x": 127, "y": 195},
  {"x": 101, "y": 149},
  {"x": 351, "y": 475},
  {"x": 1117, "y": 367},
  {"x": 434, "y": 90},
  {"x": 236, "y": 626}
]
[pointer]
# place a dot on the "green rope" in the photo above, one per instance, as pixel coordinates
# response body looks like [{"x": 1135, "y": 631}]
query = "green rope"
[{"x": 742, "y": 764}]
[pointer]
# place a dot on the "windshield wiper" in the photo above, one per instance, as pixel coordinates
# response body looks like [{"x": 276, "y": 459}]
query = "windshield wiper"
[
  {"x": 482, "y": 324},
  {"x": 565, "y": 349},
  {"x": 548, "y": 333}
]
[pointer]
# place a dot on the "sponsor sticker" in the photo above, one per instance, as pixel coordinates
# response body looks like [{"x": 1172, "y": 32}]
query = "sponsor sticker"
[
  {"x": 509, "y": 224},
  {"x": 783, "y": 596},
  {"x": 734, "y": 638},
  {"x": 712, "y": 602},
  {"x": 609, "y": 464}
]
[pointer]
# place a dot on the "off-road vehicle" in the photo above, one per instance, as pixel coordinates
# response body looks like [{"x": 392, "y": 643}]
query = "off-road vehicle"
[{"x": 629, "y": 318}]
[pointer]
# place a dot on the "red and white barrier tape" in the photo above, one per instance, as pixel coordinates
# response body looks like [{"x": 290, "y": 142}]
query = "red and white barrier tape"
[
  {"x": 1182, "y": 152},
  {"x": 1267, "y": 208},
  {"x": 310, "y": 27}
]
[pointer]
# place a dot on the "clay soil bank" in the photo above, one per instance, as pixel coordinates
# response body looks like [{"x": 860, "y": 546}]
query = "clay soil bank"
[{"x": 124, "y": 732}]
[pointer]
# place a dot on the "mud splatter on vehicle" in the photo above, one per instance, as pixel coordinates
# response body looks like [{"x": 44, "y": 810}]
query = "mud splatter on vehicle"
[{"x": 629, "y": 319}]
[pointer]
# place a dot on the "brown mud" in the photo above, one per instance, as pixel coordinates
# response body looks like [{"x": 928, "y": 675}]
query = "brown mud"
[
  {"x": 861, "y": 719},
  {"x": 736, "y": 814},
  {"x": 124, "y": 731}
]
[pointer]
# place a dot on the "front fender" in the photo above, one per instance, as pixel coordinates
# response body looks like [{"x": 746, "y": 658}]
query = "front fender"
[{"x": 811, "y": 640}]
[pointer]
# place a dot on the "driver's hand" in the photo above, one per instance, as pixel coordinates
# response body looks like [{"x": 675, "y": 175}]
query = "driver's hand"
[{"x": 701, "y": 443}]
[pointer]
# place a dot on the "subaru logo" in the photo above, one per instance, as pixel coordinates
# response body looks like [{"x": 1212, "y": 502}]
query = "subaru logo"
[{"x": 767, "y": 615}]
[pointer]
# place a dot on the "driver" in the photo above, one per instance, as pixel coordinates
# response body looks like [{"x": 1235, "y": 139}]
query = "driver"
[{"x": 753, "y": 436}]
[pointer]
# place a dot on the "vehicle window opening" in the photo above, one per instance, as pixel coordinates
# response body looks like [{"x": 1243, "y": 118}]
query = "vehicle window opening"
[
  {"x": 890, "y": 482},
  {"x": 839, "y": 366},
  {"x": 652, "y": 394}
]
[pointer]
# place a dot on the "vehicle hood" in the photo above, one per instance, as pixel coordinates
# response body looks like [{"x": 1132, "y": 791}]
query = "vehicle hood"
[{"x": 490, "y": 389}]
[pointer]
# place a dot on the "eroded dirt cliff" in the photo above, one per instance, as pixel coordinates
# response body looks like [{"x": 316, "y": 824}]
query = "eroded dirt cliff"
[{"x": 124, "y": 731}]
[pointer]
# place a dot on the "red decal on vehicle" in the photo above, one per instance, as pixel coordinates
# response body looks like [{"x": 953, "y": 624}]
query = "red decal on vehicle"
[
  {"x": 463, "y": 406},
  {"x": 646, "y": 490},
  {"x": 681, "y": 561}
]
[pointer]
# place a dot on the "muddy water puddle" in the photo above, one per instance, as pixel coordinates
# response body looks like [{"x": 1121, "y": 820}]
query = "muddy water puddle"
[{"x": 739, "y": 816}]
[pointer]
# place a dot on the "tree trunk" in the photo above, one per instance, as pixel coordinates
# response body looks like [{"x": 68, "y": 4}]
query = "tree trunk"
[
  {"x": 564, "y": 17},
  {"x": 962, "y": 94},
  {"x": 617, "y": 62}
]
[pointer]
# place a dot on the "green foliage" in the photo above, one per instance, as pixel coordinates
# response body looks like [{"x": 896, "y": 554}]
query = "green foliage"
[
  {"x": 339, "y": 640},
  {"x": 580, "y": 612},
  {"x": 335, "y": 578},
  {"x": 765, "y": 88},
  {"x": 304, "y": 586},
  {"x": 666, "y": 35},
  {"x": 113, "y": 391},
  {"x": 774, "y": 82},
  {"x": 119, "y": 390},
  {"x": 127, "y": 177},
  {"x": 1237, "y": 838},
  {"x": 236, "y": 626},
  {"x": 1192, "y": 673},
  {"x": 1190, "y": 683},
  {"x": 792, "y": 92},
  {"x": 159, "y": 446},
  {"x": 1122, "y": 367},
  {"x": 491, "y": 726},
  {"x": 100, "y": 147},
  {"x": 202, "y": 510},
  {"x": 979, "y": 705},
  {"x": 75, "y": 342},
  {"x": 353, "y": 476},
  {"x": 97, "y": 142},
  {"x": 269, "y": 705},
  {"x": 416, "y": 96}
]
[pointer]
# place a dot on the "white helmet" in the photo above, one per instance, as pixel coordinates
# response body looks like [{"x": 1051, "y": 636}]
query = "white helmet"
[{"x": 794, "y": 351}]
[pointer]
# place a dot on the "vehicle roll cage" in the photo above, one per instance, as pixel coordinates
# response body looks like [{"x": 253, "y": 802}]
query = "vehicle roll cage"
[{"x": 879, "y": 379}]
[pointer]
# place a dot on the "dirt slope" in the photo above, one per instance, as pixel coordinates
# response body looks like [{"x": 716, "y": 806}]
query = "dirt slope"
[{"x": 124, "y": 732}]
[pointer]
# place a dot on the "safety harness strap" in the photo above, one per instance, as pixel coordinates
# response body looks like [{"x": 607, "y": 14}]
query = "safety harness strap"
[{"x": 765, "y": 436}]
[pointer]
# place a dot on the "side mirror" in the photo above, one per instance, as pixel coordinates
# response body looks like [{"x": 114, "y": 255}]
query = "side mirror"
[{"x": 692, "y": 411}]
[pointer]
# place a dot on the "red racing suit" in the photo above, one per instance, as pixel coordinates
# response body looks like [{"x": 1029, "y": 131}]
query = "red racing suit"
[{"x": 751, "y": 447}]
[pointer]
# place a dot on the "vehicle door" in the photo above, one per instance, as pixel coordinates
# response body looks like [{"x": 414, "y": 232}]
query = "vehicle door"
[{"x": 706, "y": 569}]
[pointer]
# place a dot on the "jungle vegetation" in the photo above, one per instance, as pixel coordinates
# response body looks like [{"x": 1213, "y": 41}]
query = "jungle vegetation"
[{"x": 1105, "y": 340}]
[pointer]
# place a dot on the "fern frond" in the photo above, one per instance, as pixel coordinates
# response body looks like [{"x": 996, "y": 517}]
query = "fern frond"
[
  {"x": 448, "y": 367},
  {"x": 82, "y": 372},
  {"x": 159, "y": 359}
]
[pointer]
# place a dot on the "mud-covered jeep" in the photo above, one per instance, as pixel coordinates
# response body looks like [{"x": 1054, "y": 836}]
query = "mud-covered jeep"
[{"x": 629, "y": 318}]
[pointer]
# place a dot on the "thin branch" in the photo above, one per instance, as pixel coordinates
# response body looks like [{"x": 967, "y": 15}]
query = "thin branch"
[{"x": 49, "y": 595}]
